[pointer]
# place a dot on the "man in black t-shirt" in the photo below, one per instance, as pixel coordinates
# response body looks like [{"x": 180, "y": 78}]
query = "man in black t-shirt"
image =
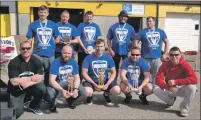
[{"x": 25, "y": 73}]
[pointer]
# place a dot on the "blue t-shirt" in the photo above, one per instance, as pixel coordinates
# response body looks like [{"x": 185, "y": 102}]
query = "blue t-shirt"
[
  {"x": 63, "y": 69},
  {"x": 95, "y": 64},
  {"x": 135, "y": 70},
  {"x": 121, "y": 36},
  {"x": 151, "y": 42},
  {"x": 43, "y": 34},
  {"x": 89, "y": 33},
  {"x": 65, "y": 29}
]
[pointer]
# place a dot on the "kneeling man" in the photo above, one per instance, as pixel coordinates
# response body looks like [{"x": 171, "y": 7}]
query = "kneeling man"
[
  {"x": 135, "y": 76},
  {"x": 95, "y": 70}
]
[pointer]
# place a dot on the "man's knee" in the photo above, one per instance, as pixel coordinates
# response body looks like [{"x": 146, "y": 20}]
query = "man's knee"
[
  {"x": 115, "y": 90},
  {"x": 148, "y": 89},
  {"x": 88, "y": 91},
  {"x": 50, "y": 94},
  {"x": 40, "y": 88},
  {"x": 190, "y": 89}
]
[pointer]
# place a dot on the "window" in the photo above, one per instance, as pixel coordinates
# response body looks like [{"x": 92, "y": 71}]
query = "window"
[{"x": 4, "y": 10}]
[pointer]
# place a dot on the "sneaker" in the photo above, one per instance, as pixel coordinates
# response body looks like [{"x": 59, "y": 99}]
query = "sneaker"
[
  {"x": 128, "y": 98},
  {"x": 26, "y": 102},
  {"x": 170, "y": 105},
  {"x": 89, "y": 100},
  {"x": 107, "y": 100},
  {"x": 53, "y": 109},
  {"x": 143, "y": 98},
  {"x": 184, "y": 112},
  {"x": 71, "y": 106},
  {"x": 45, "y": 101},
  {"x": 36, "y": 111}
]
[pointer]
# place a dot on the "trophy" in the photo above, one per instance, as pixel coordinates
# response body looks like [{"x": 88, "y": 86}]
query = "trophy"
[
  {"x": 90, "y": 49},
  {"x": 70, "y": 81},
  {"x": 66, "y": 39},
  {"x": 135, "y": 87},
  {"x": 100, "y": 79}
]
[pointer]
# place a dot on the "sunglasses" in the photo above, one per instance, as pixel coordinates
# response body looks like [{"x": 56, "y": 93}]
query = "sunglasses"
[
  {"x": 25, "y": 48},
  {"x": 174, "y": 55},
  {"x": 135, "y": 54}
]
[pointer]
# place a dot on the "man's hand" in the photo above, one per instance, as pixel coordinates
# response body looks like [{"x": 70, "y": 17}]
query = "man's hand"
[
  {"x": 65, "y": 93},
  {"x": 105, "y": 87},
  {"x": 171, "y": 82},
  {"x": 95, "y": 85},
  {"x": 112, "y": 53},
  {"x": 172, "y": 89},
  {"x": 139, "y": 89},
  {"x": 75, "y": 93},
  {"x": 164, "y": 57},
  {"x": 26, "y": 82}
]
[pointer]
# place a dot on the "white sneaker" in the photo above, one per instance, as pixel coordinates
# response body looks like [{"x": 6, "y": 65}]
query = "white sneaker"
[{"x": 184, "y": 112}]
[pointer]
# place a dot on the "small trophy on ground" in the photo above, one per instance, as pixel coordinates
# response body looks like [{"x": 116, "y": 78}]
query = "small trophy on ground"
[
  {"x": 135, "y": 87},
  {"x": 70, "y": 81},
  {"x": 100, "y": 79}
]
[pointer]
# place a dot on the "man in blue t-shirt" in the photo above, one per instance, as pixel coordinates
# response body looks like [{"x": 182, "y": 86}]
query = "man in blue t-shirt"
[
  {"x": 68, "y": 34},
  {"x": 43, "y": 31},
  {"x": 61, "y": 70},
  {"x": 95, "y": 70},
  {"x": 151, "y": 39},
  {"x": 135, "y": 75},
  {"x": 119, "y": 39},
  {"x": 89, "y": 33}
]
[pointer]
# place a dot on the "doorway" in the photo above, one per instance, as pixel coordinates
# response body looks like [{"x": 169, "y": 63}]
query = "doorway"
[{"x": 136, "y": 22}]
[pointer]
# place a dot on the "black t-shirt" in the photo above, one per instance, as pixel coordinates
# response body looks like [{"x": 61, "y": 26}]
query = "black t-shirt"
[{"x": 18, "y": 67}]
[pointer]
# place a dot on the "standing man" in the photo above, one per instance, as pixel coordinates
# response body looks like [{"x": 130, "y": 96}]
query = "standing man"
[
  {"x": 119, "y": 39},
  {"x": 92, "y": 65},
  {"x": 89, "y": 33},
  {"x": 151, "y": 39},
  {"x": 61, "y": 68},
  {"x": 43, "y": 31},
  {"x": 176, "y": 78},
  {"x": 134, "y": 73},
  {"x": 67, "y": 30},
  {"x": 25, "y": 73}
]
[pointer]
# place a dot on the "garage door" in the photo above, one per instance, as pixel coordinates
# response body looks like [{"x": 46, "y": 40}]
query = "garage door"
[{"x": 180, "y": 29}]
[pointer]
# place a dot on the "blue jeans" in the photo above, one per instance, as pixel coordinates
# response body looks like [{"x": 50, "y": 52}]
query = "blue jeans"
[
  {"x": 52, "y": 93},
  {"x": 46, "y": 62}
]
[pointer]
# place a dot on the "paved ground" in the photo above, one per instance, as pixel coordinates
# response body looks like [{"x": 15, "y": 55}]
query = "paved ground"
[{"x": 155, "y": 110}]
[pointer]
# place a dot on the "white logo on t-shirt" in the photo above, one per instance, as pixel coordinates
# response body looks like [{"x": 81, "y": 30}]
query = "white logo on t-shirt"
[
  {"x": 121, "y": 34},
  {"x": 64, "y": 71},
  {"x": 153, "y": 39},
  {"x": 90, "y": 33},
  {"x": 99, "y": 65},
  {"x": 44, "y": 35},
  {"x": 64, "y": 31}
]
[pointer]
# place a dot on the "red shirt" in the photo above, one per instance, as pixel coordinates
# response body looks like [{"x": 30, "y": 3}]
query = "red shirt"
[{"x": 182, "y": 73}]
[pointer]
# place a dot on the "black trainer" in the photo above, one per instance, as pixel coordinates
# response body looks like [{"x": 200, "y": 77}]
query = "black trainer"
[
  {"x": 108, "y": 100},
  {"x": 70, "y": 102},
  {"x": 53, "y": 109},
  {"x": 89, "y": 100},
  {"x": 143, "y": 98},
  {"x": 128, "y": 98}
]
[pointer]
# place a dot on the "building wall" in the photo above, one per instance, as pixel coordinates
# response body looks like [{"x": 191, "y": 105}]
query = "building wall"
[
  {"x": 8, "y": 21},
  {"x": 103, "y": 15}
]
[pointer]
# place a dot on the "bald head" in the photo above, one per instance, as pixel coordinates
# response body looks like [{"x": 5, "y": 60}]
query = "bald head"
[
  {"x": 67, "y": 48},
  {"x": 66, "y": 53}
]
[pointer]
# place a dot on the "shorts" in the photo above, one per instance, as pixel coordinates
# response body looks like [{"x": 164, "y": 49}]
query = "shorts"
[{"x": 88, "y": 84}]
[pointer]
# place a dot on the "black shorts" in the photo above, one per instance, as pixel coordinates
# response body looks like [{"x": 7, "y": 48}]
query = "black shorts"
[{"x": 88, "y": 84}]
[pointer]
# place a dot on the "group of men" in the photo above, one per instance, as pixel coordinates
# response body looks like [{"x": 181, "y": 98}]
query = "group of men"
[{"x": 39, "y": 76}]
